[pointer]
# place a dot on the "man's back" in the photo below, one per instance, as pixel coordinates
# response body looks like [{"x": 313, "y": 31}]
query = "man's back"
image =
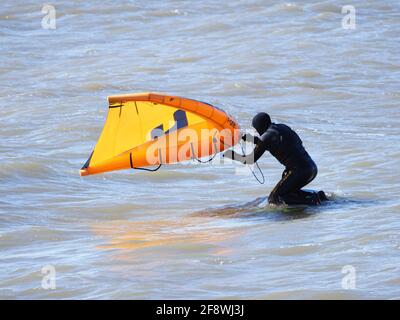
[{"x": 284, "y": 144}]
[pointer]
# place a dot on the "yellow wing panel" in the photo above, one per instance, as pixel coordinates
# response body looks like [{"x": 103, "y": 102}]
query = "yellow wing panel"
[
  {"x": 157, "y": 118},
  {"x": 132, "y": 123},
  {"x": 129, "y": 134},
  {"x": 106, "y": 145}
]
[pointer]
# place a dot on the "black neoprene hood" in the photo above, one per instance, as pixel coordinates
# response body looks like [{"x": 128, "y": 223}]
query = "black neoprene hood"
[{"x": 261, "y": 122}]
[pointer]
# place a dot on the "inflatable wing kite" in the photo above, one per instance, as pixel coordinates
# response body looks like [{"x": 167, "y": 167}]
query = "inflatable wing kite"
[{"x": 150, "y": 129}]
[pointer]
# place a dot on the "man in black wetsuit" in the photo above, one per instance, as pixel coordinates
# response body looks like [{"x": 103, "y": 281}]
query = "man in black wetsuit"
[{"x": 286, "y": 146}]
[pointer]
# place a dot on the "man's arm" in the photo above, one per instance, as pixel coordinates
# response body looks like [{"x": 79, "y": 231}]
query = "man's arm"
[
  {"x": 249, "y": 158},
  {"x": 250, "y": 138},
  {"x": 268, "y": 140}
]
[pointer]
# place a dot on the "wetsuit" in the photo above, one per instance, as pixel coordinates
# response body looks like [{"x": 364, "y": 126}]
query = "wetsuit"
[{"x": 286, "y": 146}]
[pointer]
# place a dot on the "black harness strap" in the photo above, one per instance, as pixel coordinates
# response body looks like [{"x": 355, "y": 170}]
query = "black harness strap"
[
  {"x": 211, "y": 158},
  {"x": 146, "y": 169}
]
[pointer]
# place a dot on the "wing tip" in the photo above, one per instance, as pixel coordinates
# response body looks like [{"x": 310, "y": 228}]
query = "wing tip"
[
  {"x": 83, "y": 172},
  {"x": 141, "y": 96}
]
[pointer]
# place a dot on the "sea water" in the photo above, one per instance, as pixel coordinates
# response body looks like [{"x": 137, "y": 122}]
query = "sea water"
[{"x": 199, "y": 231}]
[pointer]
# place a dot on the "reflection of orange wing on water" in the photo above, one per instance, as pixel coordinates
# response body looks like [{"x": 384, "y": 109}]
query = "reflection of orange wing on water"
[
  {"x": 136, "y": 235},
  {"x": 149, "y": 129}
]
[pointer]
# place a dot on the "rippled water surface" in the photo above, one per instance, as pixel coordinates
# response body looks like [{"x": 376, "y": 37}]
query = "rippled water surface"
[{"x": 199, "y": 231}]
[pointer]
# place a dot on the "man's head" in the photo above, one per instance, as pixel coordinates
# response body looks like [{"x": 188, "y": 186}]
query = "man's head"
[{"x": 261, "y": 122}]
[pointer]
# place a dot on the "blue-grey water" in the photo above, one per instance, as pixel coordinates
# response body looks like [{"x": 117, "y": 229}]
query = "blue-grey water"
[{"x": 199, "y": 231}]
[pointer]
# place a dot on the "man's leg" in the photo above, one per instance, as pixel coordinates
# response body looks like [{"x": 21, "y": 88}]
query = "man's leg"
[
  {"x": 288, "y": 188},
  {"x": 322, "y": 196},
  {"x": 301, "y": 197}
]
